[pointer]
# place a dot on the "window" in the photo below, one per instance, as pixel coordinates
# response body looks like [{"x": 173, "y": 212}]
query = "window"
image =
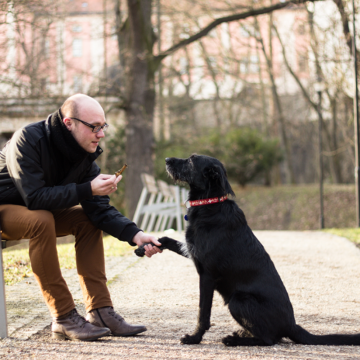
[
  {"x": 77, "y": 83},
  {"x": 249, "y": 64},
  {"x": 44, "y": 85},
  {"x": 301, "y": 29},
  {"x": 77, "y": 28},
  {"x": 213, "y": 33},
  {"x": 302, "y": 63},
  {"x": 47, "y": 48},
  {"x": 244, "y": 66},
  {"x": 77, "y": 47},
  {"x": 183, "y": 65},
  {"x": 244, "y": 31},
  {"x": 213, "y": 64},
  {"x": 184, "y": 31},
  {"x": 254, "y": 64},
  {"x": 113, "y": 33}
]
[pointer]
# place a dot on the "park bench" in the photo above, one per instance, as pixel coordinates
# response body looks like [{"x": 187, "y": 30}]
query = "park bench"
[
  {"x": 159, "y": 205},
  {"x": 5, "y": 244}
]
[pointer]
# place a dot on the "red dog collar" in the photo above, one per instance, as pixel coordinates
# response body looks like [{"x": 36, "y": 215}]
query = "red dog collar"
[{"x": 206, "y": 201}]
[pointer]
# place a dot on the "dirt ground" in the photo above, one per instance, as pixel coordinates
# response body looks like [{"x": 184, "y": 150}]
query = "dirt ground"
[{"x": 320, "y": 271}]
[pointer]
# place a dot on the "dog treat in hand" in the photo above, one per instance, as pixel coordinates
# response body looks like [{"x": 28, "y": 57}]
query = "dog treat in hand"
[
  {"x": 119, "y": 172},
  {"x": 140, "y": 251}
]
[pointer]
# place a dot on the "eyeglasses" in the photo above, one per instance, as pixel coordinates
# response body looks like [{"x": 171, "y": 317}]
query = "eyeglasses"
[{"x": 95, "y": 128}]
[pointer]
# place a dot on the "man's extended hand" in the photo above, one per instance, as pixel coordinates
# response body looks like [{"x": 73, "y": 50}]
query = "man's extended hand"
[
  {"x": 141, "y": 238},
  {"x": 104, "y": 184}
]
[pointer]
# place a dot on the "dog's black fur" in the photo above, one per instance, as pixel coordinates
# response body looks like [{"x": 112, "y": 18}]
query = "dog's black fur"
[{"x": 230, "y": 259}]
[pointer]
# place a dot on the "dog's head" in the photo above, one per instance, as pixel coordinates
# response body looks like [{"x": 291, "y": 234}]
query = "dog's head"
[{"x": 205, "y": 175}]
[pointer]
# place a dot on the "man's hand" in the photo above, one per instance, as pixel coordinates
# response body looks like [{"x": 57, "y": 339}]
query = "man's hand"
[
  {"x": 104, "y": 184},
  {"x": 141, "y": 238}
]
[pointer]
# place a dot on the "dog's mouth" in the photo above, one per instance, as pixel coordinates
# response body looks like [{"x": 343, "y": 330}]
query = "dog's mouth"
[
  {"x": 173, "y": 174},
  {"x": 169, "y": 171},
  {"x": 177, "y": 176}
]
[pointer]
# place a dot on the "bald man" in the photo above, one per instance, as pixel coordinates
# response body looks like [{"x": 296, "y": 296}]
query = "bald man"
[{"x": 46, "y": 170}]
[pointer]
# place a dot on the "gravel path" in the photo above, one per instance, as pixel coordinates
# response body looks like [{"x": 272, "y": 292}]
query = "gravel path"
[{"x": 321, "y": 272}]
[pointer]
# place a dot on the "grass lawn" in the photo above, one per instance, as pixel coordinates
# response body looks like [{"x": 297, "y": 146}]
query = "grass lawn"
[
  {"x": 17, "y": 262},
  {"x": 353, "y": 234},
  {"x": 297, "y": 207}
]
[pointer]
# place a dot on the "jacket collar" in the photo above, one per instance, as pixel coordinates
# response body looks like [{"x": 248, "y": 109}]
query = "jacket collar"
[{"x": 92, "y": 156}]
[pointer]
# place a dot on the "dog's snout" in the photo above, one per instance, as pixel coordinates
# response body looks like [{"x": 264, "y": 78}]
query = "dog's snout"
[{"x": 169, "y": 160}]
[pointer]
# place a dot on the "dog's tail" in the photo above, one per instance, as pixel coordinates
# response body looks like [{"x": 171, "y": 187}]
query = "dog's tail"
[{"x": 301, "y": 336}]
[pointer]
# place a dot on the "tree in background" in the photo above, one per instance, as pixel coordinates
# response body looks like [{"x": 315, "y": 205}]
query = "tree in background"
[
  {"x": 141, "y": 64},
  {"x": 30, "y": 26},
  {"x": 249, "y": 102}
]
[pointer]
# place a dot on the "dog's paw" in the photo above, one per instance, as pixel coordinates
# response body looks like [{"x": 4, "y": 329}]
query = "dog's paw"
[
  {"x": 231, "y": 340},
  {"x": 190, "y": 339},
  {"x": 140, "y": 251}
]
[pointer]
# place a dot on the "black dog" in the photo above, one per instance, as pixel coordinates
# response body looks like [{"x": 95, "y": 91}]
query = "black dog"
[{"x": 230, "y": 259}]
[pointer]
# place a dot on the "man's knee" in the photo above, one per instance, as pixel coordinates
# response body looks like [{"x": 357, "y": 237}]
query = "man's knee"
[
  {"x": 41, "y": 220},
  {"x": 82, "y": 220}
]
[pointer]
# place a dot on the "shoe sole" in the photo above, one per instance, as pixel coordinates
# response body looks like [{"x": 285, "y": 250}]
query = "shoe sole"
[
  {"x": 130, "y": 334},
  {"x": 60, "y": 336}
]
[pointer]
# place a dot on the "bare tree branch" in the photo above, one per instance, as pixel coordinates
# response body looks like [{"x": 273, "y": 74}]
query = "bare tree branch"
[
  {"x": 291, "y": 71},
  {"x": 345, "y": 23},
  {"x": 225, "y": 19}
]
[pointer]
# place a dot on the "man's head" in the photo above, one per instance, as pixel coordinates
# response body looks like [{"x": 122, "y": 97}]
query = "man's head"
[{"x": 81, "y": 108}]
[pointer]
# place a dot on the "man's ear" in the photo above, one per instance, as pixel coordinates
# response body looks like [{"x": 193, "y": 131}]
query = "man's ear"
[{"x": 68, "y": 123}]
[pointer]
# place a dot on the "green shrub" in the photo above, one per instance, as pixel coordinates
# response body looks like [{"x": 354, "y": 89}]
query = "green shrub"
[
  {"x": 249, "y": 155},
  {"x": 246, "y": 154}
]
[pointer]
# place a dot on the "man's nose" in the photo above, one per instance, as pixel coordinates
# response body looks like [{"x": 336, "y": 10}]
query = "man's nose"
[{"x": 100, "y": 134}]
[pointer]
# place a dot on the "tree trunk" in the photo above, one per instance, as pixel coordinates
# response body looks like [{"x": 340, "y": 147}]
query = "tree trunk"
[
  {"x": 140, "y": 99},
  {"x": 141, "y": 102},
  {"x": 279, "y": 115}
]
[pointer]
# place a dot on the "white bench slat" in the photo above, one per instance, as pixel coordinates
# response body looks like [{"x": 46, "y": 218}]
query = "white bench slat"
[{"x": 160, "y": 204}]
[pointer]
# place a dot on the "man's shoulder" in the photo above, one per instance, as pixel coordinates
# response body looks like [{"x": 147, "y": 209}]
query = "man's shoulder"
[{"x": 34, "y": 131}]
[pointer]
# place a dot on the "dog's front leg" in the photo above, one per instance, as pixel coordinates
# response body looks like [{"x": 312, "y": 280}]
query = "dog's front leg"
[
  {"x": 166, "y": 243},
  {"x": 207, "y": 287}
]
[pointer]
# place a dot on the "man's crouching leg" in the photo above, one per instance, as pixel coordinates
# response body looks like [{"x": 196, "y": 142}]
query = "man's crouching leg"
[
  {"x": 91, "y": 269},
  {"x": 18, "y": 222}
]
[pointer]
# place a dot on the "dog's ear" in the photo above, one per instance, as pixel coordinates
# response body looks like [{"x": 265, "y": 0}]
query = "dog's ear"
[
  {"x": 217, "y": 175},
  {"x": 225, "y": 184}
]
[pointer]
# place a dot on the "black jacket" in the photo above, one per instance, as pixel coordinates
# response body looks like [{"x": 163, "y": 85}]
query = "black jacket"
[{"x": 29, "y": 176}]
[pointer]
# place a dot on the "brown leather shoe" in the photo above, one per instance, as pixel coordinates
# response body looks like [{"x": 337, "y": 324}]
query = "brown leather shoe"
[
  {"x": 73, "y": 326},
  {"x": 106, "y": 316}
]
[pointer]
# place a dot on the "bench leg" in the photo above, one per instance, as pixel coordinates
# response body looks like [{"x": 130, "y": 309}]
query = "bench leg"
[{"x": 3, "y": 317}]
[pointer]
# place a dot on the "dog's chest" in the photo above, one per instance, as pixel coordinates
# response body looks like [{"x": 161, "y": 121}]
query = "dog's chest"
[{"x": 200, "y": 246}]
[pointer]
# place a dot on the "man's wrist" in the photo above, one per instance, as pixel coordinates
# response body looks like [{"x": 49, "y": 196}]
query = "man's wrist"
[{"x": 136, "y": 239}]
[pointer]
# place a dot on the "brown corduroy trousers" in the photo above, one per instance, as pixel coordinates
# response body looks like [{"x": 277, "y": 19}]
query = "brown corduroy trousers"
[{"x": 42, "y": 227}]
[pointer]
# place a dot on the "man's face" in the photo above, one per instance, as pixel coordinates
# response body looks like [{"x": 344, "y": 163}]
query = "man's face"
[{"x": 93, "y": 114}]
